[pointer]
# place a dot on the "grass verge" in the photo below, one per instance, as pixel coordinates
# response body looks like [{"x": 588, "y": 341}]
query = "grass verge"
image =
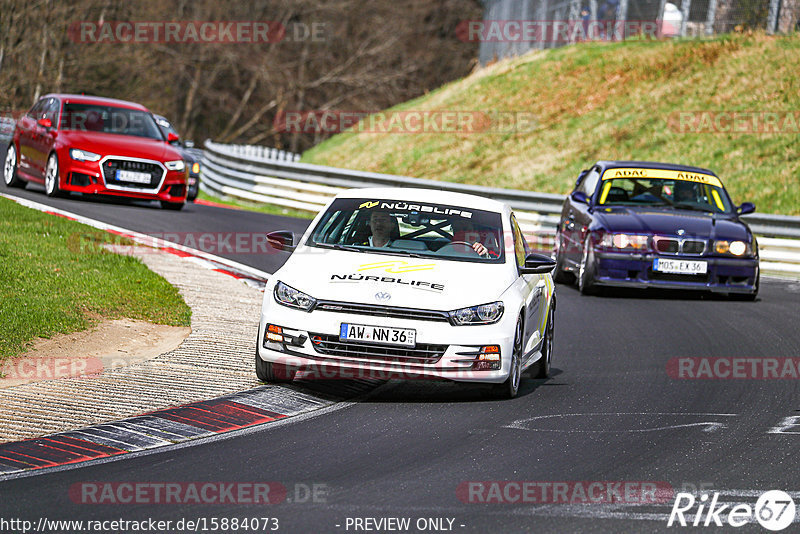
[
  {"x": 596, "y": 101},
  {"x": 54, "y": 281}
]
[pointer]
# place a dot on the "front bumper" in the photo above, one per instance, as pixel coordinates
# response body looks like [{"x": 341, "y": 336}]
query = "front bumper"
[
  {"x": 725, "y": 275},
  {"x": 459, "y": 344},
  {"x": 85, "y": 177}
]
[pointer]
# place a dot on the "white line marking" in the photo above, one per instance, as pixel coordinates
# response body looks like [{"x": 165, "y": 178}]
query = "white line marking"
[{"x": 710, "y": 426}]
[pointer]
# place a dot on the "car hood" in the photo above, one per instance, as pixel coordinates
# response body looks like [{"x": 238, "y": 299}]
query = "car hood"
[
  {"x": 422, "y": 283},
  {"x": 107, "y": 144},
  {"x": 669, "y": 222}
]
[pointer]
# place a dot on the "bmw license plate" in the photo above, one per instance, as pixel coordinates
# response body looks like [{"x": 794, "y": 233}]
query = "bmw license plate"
[
  {"x": 132, "y": 176},
  {"x": 680, "y": 266},
  {"x": 404, "y": 337}
]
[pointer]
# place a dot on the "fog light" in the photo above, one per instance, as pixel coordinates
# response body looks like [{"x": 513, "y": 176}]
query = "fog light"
[{"x": 488, "y": 359}]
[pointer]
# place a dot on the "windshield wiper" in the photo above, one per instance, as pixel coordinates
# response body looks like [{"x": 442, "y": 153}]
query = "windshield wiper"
[{"x": 335, "y": 246}]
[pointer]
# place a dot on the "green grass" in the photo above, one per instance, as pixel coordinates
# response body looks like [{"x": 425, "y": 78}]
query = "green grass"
[
  {"x": 606, "y": 101},
  {"x": 272, "y": 209},
  {"x": 56, "y": 279}
]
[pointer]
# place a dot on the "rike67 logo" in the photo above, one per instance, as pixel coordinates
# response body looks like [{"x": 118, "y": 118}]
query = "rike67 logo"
[{"x": 775, "y": 510}]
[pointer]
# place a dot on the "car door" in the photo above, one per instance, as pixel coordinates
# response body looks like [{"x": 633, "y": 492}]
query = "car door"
[
  {"x": 531, "y": 287},
  {"x": 27, "y": 129},
  {"x": 578, "y": 217}
]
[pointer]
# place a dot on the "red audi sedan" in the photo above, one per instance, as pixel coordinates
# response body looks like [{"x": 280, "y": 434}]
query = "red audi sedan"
[{"x": 94, "y": 145}]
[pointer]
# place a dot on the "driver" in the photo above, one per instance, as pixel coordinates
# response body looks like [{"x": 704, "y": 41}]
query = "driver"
[
  {"x": 685, "y": 192},
  {"x": 381, "y": 224}
]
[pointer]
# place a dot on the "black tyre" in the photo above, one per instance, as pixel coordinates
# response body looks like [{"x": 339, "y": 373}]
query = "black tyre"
[
  {"x": 541, "y": 369},
  {"x": 193, "y": 192},
  {"x": 174, "y": 206},
  {"x": 586, "y": 273},
  {"x": 510, "y": 388},
  {"x": 10, "y": 177},
  {"x": 51, "y": 177},
  {"x": 560, "y": 275},
  {"x": 271, "y": 372}
]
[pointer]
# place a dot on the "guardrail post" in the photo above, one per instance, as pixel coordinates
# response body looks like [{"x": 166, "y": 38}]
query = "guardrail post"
[
  {"x": 711, "y": 16},
  {"x": 622, "y": 17},
  {"x": 772, "y": 17},
  {"x": 686, "y": 8},
  {"x": 542, "y": 16}
]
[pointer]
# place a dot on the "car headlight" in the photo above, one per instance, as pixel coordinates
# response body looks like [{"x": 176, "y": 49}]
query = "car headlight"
[
  {"x": 625, "y": 241},
  {"x": 289, "y": 296},
  {"x": 177, "y": 165},
  {"x": 474, "y": 315},
  {"x": 735, "y": 248},
  {"x": 195, "y": 168},
  {"x": 83, "y": 155}
]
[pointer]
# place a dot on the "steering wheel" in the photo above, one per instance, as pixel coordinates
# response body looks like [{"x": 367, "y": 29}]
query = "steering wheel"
[{"x": 464, "y": 243}]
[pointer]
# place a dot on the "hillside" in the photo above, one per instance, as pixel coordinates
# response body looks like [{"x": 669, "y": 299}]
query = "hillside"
[{"x": 651, "y": 100}]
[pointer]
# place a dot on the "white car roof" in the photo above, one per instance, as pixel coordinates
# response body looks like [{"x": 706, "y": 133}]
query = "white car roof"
[{"x": 413, "y": 194}]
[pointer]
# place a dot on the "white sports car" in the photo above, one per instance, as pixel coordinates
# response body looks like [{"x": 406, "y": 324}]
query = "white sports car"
[{"x": 409, "y": 283}]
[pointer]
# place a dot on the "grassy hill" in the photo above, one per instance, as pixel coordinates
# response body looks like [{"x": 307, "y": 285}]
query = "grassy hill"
[{"x": 609, "y": 101}]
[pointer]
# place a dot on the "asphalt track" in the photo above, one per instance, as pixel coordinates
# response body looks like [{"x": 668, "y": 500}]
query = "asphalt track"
[{"x": 610, "y": 412}]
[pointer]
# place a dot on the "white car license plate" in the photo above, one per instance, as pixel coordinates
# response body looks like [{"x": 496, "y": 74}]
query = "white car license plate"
[
  {"x": 404, "y": 337},
  {"x": 680, "y": 266},
  {"x": 132, "y": 176}
]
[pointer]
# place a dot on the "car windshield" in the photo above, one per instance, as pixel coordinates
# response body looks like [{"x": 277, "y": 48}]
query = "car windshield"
[
  {"x": 166, "y": 127},
  {"x": 109, "y": 119},
  {"x": 411, "y": 229},
  {"x": 680, "y": 194}
]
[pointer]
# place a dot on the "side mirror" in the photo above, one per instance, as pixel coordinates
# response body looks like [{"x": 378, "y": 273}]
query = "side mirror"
[
  {"x": 281, "y": 240},
  {"x": 172, "y": 138},
  {"x": 188, "y": 144},
  {"x": 746, "y": 207},
  {"x": 580, "y": 196},
  {"x": 45, "y": 123},
  {"x": 581, "y": 176},
  {"x": 538, "y": 264}
]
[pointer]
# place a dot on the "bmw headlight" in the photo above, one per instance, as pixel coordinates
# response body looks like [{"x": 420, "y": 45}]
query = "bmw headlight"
[
  {"x": 735, "y": 248},
  {"x": 177, "y": 165},
  {"x": 83, "y": 155},
  {"x": 475, "y": 315},
  {"x": 625, "y": 241},
  {"x": 289, "y": 296},
  {"x": 195, "y": 168}
]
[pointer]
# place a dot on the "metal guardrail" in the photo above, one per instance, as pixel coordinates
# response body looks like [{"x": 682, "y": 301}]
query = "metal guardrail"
[{"x": 253, "y": 174}]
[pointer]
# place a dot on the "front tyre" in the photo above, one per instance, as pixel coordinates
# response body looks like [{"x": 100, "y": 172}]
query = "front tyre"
[
  {"x": 272, "y": 372},
  {"x": 51, "y": 177},
  {"x": 510, "y": 388},
  {"x": 10, "y": 177},
  {"x": 586, "y": 274},
  {"x": 560, "y": 275},
  {"x": 541, "y": 369}
]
